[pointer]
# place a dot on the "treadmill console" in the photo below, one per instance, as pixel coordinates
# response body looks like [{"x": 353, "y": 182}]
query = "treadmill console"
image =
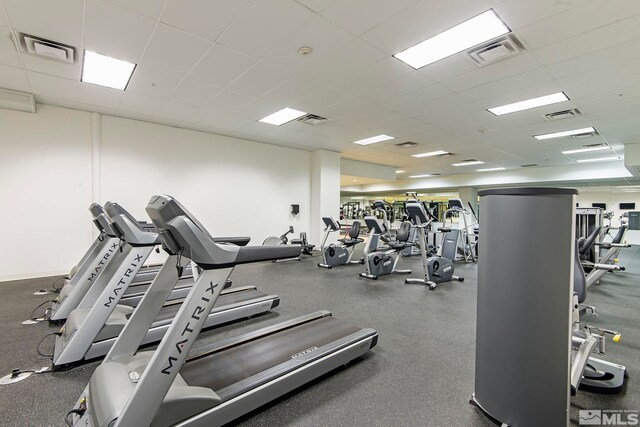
[
  {"x": 331, "y": 223},
  {"x": 417, "y": 212}
]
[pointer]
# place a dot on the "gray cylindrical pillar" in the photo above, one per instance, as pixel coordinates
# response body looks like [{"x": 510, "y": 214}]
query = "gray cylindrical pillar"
[{"x": 525, "y": 282}]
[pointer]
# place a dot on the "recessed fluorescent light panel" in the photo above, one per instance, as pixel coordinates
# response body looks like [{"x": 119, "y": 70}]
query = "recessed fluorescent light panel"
[
  {"x": 476, "y": 30},
  {"x": 106, "y": 71},
  {"x": 587, "y": 149},
  {"x": 283, "y": 116},
  {"x": 599, "y": 159},
  {"x": 400, "y": 171},
  {"x": 430, "y": 154},
  {"x": 564, "y": 133},
  {"x": 490, "y": 169},
  {"x": 474, "y": 162},
  {"x": 529, "y": 103},
  {"x": 420, "y": 176},
  {"x": 373, "y": 139}
]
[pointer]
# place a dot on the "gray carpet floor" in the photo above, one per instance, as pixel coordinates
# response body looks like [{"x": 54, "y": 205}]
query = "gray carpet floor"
[{"x": 420, "y": 374}]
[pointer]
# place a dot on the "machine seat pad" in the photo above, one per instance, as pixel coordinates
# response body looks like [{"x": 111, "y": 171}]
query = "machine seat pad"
[{"x": 350, "y": 241}]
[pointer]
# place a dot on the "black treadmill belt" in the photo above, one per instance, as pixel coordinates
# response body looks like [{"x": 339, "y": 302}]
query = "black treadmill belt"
[
  {"x": 170, "y": 311},
  {"x": 223, "y": 368}
]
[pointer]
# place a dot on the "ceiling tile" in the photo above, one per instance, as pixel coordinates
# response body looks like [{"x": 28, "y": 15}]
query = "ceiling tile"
[
  {"x": 154, "y": 83},
  {"x": 3, "y": 17},
  {"x": 344, "y": 62},
  {"x": 358, "y": 16},
  {"x": 221, "y": 66},
  {"x": 382, "y": 71},
  {"x": 318, "y": 34},
  {"x": 13, "y": 78},
  {"x": 229, "y": 123},
  {"x": 254, "y": 35},
  {"x": 202, "y": 17},
  {"x": 408, "y": 83},
  {"x": 173, "y": 50},
  {"x": 315, "y": 5},
  {"x": 127, "y": 43},
  {"x": 413, "y": 98},
  {"x": 321, "y": 99},
  {"x": 194, "y": 93},
  {"x": 136, "y": 103},
  {"x": 59, "y": 20},
  {"x": 260, "y": 79},
  {"x": 203, "y": 117},
  {"x": 98, "y": 95},
  {"x": 517, "y": 14},
  {"x": 296, "y": 88},
  {"x": 55, "y": 68},
  {"x": 56, "y": 87},
  {"x": 592, "y": 41},
  {"x": 173, "y": 111},
  {"x": 8, "y": 54},
  {"x": 229, "y": 101},
  {"x": 149, "y": 8},
  {"x": 570, "y": 23}
]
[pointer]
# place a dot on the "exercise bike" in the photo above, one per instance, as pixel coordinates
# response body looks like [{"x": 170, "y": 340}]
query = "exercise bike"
[
  {"x": 335, "y": 255},
  {"x": 437, "y": 269},
  {"x": 380, "y": 261}
]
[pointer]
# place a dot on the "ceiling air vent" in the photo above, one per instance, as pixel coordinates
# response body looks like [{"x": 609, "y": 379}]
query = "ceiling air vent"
[
  {"x": 20, "y": 101},
  {"x": 47, "y": 49},
  {"x": 312, "y": 119},
  {"x": 586, "y": 134},
  {"x": 406, "y": 144},
  {"x": 495, "y": 50},
  {"x": 564, "y": 114},
  {"x": 530, "y": 165}
]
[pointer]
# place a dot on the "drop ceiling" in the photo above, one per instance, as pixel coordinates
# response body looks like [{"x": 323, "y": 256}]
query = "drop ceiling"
[{"x": 221, "y": 66}]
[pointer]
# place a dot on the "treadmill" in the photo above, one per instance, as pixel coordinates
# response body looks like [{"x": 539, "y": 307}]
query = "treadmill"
[
  {"x": 220, "y": 382},
  {"x": 93, "y": 327},
  {"x": 86, "y": 276}
]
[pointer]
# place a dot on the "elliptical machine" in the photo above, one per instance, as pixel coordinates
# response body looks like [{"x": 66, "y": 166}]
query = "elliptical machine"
[
  {"x": 437, "y": 269},
  {"x": 380, "y": 260},
  {"x": 334, "y": 255}
]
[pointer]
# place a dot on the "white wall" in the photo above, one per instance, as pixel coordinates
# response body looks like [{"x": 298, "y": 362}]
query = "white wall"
[
  {"x": 613, "y": 200},
  {"x": 45, "y": 188},
  {"x": 235, "y": 187},
  {"x": 325, "y": 190}
]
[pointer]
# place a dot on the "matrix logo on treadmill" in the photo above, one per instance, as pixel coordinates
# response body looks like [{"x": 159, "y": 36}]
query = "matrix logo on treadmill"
[
  {"x": 102, "y": 262},
  {"x": 304, "y": 352},
  {"x": 187, "y": 331},
  {"x": 131, "y": 271}
]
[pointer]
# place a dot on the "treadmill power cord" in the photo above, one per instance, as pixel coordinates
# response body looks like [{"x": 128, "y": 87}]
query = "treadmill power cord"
[
  {"x": 49, "y": 356},
  {"x": 32, "y": 317},
  {"x": 82, "y": 408}
]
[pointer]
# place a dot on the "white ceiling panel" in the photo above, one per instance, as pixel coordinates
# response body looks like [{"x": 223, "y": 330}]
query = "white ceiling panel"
[
  {"x": 99, "y": 95},
  {"x": 173, "y": 50},
  {"x": 55, "y": 68},
  {"x": 517, "y": 14},
  {"x": 319, "y": 34},
  {"x": 315, "y": 5},
  {"x": 260, "y": 79},
  {"x": 295, "y": 88},
  {"x": 409, "y": 83},
  {"x": 592, "y": 41},
  {"x": 229, "y": 101},
  {"x": 321, "y": 99},
  {"x": 431, "y": 93},
  {"x": 136, "y": 103},
  {"x": 149, "y": 8},
  {"x": 194, "y": 93},
  {"x": 344, "y": 62},
  {"x": 254, "y": 35},
  {"x": 3, "y": 17},
  {"x": 13, "y": 78},
  {"x": 221, "y": 66},
  {"x": 570, "y": 23},
  {"x": 357, "y": 16},
  {"x": 204, "y": 18},
  {"x": 173, "y": 111},
  {"x": 55, "y": 87},
  {"x": 8, "y": 53},
  {"x": 60, "y": 20},
  {"x": 155, "y": 83},
  {"x": 203, "y": 117},
  {"x": 376, "y": 74},
  {"x": 229, "y": 123},
  {"x": 127, "y": 43}
]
